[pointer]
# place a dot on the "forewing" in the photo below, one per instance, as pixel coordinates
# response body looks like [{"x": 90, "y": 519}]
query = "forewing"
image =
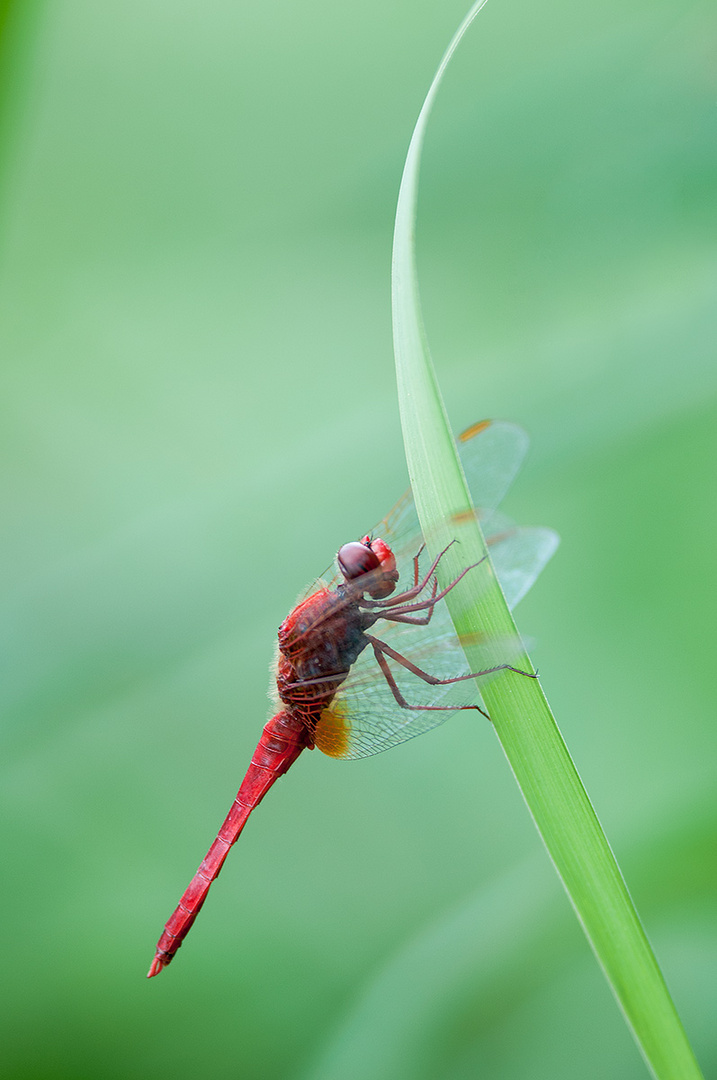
[
  {"x": 365, "y": 717},
  {"x": 491, "y": 454}
]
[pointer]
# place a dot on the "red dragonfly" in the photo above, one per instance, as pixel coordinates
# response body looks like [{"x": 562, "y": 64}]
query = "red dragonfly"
[{"x": 350, "y": 693}]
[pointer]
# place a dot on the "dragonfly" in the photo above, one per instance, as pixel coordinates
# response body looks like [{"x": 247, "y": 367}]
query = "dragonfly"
[{"x": 352, "y": 692}]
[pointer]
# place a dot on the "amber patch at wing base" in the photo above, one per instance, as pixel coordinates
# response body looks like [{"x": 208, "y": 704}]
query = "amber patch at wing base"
[
  {"x": 465, "y": 515},
  {"x": 473, "y": 430},
  {"x": 333, "y": 733}
]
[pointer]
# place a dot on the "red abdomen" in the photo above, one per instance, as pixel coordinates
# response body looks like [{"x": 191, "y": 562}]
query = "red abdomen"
[
  {"x": 318, "y": 642},
  {"x": 282, "y": 740}
]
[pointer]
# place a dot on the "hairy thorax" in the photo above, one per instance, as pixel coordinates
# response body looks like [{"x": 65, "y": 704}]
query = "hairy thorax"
[{"x": 318, "y": 643}]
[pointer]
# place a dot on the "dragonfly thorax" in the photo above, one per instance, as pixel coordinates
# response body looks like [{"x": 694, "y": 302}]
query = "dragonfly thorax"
[{"x": 318, "y": 643}]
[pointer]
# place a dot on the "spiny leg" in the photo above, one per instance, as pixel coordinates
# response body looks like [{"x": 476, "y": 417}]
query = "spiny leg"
[
  {"x": 421, "y": 605},
  {"x": 309, "y": 691},
  {"x": 383, "y": 648},
  {"x": 419, "y": 620},
  {"x": 400, "y": 699},
  {"x": 417, "y": 588},
  {"x": 416, "y": 557}
]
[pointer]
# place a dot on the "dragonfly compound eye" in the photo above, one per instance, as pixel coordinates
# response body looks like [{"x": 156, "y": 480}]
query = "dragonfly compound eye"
[{"x": 355, "y": 559}]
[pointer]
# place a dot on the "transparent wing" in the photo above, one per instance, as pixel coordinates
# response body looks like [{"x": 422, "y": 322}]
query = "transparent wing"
[
  {"x": 365, "y": 717},
  {"x": 518, "y": 556},
  {"x": 491, "y": 454}
]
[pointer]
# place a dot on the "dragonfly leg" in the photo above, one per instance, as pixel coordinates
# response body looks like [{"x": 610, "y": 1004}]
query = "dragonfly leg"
[
  {"x": 416, "y": 557},
  {"x": 418, "y": 587},
  {"x": 309, "y": 691},
  {"x": 421, "y": 605},
  {"x": 417, "y": 620},
  {"x": 378, "y": 647}
]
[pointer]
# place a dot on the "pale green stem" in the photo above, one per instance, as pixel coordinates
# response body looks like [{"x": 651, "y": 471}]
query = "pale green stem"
[{"x": 520, "y": 713}]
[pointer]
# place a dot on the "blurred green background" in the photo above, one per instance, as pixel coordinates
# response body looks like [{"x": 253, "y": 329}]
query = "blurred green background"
[{"x": 198, "y": 407}]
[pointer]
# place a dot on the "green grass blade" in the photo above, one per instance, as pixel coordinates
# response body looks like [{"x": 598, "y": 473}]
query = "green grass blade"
[{"x": 521, "y": 716}]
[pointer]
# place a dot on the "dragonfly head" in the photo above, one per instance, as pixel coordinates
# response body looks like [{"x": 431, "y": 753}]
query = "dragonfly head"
[{"x": 369, "y": 564}]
